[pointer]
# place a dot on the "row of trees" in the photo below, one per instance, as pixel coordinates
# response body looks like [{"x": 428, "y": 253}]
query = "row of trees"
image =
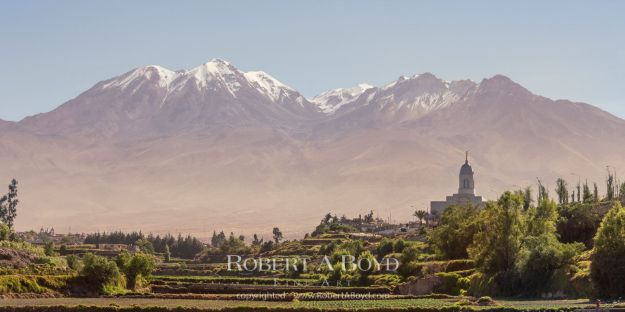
[
  {"x": 187, "y": 247},
  {"x": 218, "y": 239},
  {"x": 181, "y": 246},
  {"x": 220, "y": 245},
  {"x": 582, "y": 193},
  {"x": 519, "y": 248}
]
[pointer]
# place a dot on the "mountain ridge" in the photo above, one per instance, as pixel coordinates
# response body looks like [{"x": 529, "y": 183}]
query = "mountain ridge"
[{"x": 217, "y": 148}]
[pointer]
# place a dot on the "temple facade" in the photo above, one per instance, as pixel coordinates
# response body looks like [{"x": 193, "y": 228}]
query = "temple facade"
[{"x": 466, "y": 191}]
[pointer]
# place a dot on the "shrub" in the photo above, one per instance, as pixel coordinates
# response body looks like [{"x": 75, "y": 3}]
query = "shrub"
[
  {"x": 410, "y": 269},
  {"x": 385, "y": 247},
  {"x": 399, "y": 245},
  {"x": 485, "y": 300},
  {"x": 99, "y": 272},
  {"x": 48, "y": 248},
  {"x": 481, "y": 284},
  {"x": 5, "y": 232},
  {"x": 139, "y": 265},
  {"x": 451, "y": 283},
  {"x": 74, "y": 262}
]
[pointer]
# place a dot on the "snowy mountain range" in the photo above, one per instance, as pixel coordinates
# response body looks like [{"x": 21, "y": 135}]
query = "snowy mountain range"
[{"x": 215, "y": 148}]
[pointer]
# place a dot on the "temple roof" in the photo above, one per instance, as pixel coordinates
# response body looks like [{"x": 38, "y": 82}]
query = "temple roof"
[{"x": 466, "y": 168}]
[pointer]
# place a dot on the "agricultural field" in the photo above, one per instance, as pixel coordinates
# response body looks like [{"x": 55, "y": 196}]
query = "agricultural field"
[
  {"x": 167, "y": 273},
  {"x": 423, "y": 303}
]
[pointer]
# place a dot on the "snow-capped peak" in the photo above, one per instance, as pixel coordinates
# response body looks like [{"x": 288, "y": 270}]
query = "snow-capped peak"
[
  {"x": 267, "y": 84},
  {"x": 215, "y": 67},
  {"x": 215, "y": 74},
  {"x": 330, "y": 101},
  {"x": 163, "y": 76}
]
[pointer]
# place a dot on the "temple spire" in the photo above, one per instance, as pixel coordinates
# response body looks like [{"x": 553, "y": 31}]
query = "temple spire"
[{"x": 466, "y": 157}]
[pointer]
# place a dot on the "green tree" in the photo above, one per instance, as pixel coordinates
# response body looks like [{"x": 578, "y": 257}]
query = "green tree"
[
  {"x": 48, "y": 248},
  {"x": 99, "y": 272},
  {"x": 145, "y": 245},
  {"x": 140, "y": 265},
  {"x": 542, "y": 255},
  {"x": 167, "y": 254},
  {"x": 8, "y": 205},
  {"x": 122, "y": 259},
  {"x": 526, "y": 193},
  {"x": 277, "y": 235},
  {"x": 596, "y": 193},
  {"x": 577, "y": 223},
  {"x": 385, "y": 247},
  {"x": 562, "y": 191},
  {"x": 607, "y": 269},
  {"x": 399, "y": 245},
  {"x": 542, "y": 192},
  {"x": 421, "y": 215},
  {"x": 610, "y": 185},
  {"x": 455, "y": 232},
  {"x": 73, "y": 262},
  {"x": 234, "y": 245},
  {"x": 267, "y": 246},
  {"x": 218, "y": 239},
  {"x": 542, "y": 219},
  {"x": 409, "y": 262},
  {"x": 587, "y": 198},
  {"x": 256, "y": 241},
  {"x": 497, "y": 243},
  {"x": 367, "y": 263}
]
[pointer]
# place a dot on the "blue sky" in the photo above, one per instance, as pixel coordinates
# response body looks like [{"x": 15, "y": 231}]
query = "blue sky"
[{"x": 50, "y": 51}]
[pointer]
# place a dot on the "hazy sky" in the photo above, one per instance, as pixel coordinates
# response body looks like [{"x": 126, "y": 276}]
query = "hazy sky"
[{"x": 50, "y": 51}]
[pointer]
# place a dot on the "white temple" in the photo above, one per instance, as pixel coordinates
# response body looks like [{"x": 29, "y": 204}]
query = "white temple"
[{"x": 466, "y": 191}]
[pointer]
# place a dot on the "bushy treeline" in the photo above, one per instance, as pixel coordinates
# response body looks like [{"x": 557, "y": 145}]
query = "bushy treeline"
[
  {"x": 181, "y": 246},
  {"x": 522, "y": 248},
  {"x": 517, "y": 250},
  {"x": 102, "y": 275}
]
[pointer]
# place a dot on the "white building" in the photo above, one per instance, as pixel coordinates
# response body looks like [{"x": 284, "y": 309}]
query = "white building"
[{"x": 466, "y": 191}]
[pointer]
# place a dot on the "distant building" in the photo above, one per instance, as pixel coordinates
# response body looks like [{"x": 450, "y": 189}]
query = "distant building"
[{"x": 466, "y": 191}]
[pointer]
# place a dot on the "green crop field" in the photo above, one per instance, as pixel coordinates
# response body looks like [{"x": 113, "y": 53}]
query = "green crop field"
[{"x": 424, "y": 303}]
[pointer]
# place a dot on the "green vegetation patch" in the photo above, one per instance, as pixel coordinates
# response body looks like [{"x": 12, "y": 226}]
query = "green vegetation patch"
[{"x": 21, "y": 284}]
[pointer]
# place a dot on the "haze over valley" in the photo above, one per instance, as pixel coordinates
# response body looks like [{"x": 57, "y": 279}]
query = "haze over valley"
[{"x": 214, "y": 147}]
